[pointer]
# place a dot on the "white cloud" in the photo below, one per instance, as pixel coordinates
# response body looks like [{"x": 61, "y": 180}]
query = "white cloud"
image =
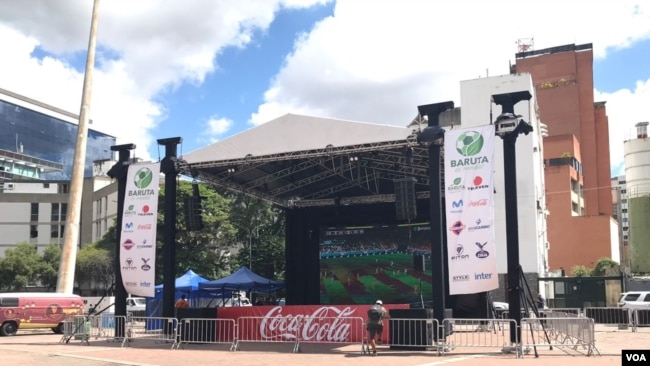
[
  {"x": 219, "y": 126},
  {"x": 625, "y": 108},
  {"x": 373, "y": 60},
  {"x": 145, "y": 47},
  {"x": 377, "y": 60}
]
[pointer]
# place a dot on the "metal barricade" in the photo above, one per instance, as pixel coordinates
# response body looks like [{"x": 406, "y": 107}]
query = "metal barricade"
[
  {"x": 265, "y": 330},
  {"x": 207, "y": 331},
  {"x": 75, "y": 327},
  {"x": 107, "y": 327},
  {"x": 640, "y": 318},
  {"x": 415, "y": 334},
  {"x": 610, "y": 316},
  {"x": 156, "y": 329},
  {"x": 484, "y": 333},
  {"x": 570, "y": 312},
  {"x": 576, "y": 333},
  {"x": 328, "y": 329}
]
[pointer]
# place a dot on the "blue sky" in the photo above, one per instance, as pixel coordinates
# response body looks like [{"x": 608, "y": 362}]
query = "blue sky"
[{"x": 205, "y": 70}]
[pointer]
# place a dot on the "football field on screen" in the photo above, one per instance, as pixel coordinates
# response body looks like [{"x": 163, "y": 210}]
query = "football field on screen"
[{"x": 365, "y": 278}]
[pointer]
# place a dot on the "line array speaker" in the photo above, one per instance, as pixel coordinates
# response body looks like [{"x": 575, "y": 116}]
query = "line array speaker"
[{"x": 405, "y": 204}]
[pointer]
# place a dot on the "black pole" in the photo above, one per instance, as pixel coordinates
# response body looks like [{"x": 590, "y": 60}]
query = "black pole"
[
  {"x": 119, "y": 171},
  {"x": 436, "y": 213},
  {"x": 507, "y": 102},
  {"x": 512, "y": 234},
  {"x": 169, "y": 167}
]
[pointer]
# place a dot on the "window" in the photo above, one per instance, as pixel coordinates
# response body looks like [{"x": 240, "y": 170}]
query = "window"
[
  {"x": 623, "y": 191},
  {"x": 55, "y": 212},
  {"x": 64, "y": 211},
  {"x": 625, "y": 228},
  {"x": 46, "y": 185},
  {"x": 632, "y": 297},
  {"x": 63, "y": 188},
  {"x": 55, "y": 232},
  {"x": 34, "y": 212},
  {"x": 33, "y": 231},
  {"x": 624, "y": 210},
  {"x": 623, "y": 200},
  {"x": 9, "y": 302},
  {"x": 624, "y": 237}
]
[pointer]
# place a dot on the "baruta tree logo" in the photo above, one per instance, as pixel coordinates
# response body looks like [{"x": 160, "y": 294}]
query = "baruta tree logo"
[
  {"x": 144, "y": 176},
  {"x": 469, "y": 143}
]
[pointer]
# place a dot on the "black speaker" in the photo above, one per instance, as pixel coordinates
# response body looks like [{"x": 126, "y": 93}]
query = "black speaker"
[
  {"x": 418, "y": 262},
  {"x": 405, "y": 203}
]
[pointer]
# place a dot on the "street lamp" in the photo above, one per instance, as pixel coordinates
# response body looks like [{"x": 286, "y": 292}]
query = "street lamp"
[{"x": 509, "y": 126}]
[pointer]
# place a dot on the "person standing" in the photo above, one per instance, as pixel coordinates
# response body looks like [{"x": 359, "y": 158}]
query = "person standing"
[
  {"x": 541, "y": 302},
  {"x": 375, "y": 325},
  {"x": 182, "y": 303}
]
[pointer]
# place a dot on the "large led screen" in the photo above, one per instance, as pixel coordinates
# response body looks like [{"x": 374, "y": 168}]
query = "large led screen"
[{"x": 359, "y": 265}]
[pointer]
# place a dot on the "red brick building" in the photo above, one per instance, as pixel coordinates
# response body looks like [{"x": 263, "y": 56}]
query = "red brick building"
[{"x": 581, "y": 229}]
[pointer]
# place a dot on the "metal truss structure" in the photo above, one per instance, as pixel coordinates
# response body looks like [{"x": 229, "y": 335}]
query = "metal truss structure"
[{"x": 345, "y": 175}]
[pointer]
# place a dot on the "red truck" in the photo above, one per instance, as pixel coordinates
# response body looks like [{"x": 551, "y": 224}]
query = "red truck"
[{"x": 33, "y": 310}]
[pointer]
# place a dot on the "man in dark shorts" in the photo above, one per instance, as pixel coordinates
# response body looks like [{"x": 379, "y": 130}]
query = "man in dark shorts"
[{"x": 376, "y": 325}]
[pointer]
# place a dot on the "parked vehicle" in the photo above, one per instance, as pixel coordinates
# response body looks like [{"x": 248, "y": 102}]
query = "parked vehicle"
[
  {"x": 635, "y": 300},
  {"x": 135, "y": 306},
  {"x": 34, "y": 310}
]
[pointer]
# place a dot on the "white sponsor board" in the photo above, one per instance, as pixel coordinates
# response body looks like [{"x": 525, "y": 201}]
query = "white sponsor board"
[
  {"x": 469, "y": 192},
  {"x": 138, "y": 235}
]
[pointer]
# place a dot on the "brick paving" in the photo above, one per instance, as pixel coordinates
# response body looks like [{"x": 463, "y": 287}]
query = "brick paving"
[{"x": 41, "y": 349}]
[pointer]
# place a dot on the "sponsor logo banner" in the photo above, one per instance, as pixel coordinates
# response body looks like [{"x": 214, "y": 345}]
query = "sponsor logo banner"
[
  {"x": 469, "y": 167},
  {"x": 138, "y": 236}
]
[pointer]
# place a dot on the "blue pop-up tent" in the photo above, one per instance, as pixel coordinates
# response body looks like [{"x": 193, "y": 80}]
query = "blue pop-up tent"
[
  {"x": 241, "y": 280},
  {"x": 187, "y": 284}
]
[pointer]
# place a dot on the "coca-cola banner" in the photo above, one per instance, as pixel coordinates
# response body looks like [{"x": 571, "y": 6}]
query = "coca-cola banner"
[{"x": 309, "y": 323}]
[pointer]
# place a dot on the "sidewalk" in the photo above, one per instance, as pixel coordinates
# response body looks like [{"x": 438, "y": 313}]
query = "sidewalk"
[{"x": 44, "y": 349}]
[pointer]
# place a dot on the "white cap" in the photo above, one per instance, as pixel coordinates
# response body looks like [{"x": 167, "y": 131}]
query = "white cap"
[{"x": 379, "y": 302}]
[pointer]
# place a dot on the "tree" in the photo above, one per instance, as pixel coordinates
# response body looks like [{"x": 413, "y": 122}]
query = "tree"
[
  {"x": 95, "y": 264},
  {"x": 260, "y": 232},
  {"x": 604, "y": 267},
  {"x": 580, "y": 271},
  {"x": 49, "y": 267},
  {"x": 204, "y": 251},
  {"x": 19, "y": 267}
]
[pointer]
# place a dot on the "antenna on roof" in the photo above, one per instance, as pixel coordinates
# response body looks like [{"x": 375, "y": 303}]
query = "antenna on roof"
[{"x": 525, "y": 44}]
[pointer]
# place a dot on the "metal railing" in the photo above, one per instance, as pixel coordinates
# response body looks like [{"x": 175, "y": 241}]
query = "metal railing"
[
  {"x": 575, "y": 333},
  {"x": 207, "y": 331},
  {"x": 554, "y": 329}
]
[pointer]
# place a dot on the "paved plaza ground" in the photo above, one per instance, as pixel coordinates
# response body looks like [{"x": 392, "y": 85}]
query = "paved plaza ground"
[{"x": 42, "y": 348}]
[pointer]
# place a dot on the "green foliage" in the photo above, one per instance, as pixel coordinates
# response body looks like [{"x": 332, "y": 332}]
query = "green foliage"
[
  {"x": 205, "y": 251},
  {"x": 261, "y": 233},
  {"x": 580, "y": 271},
  {"x": 95, "y": 264},
  {"x": 49, "y": 267},
  {"x": 605, "y": 267},
  {"x": 19, "y": 267}
]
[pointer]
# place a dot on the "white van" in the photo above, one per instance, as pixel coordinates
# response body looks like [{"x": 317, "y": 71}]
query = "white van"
[
  {"x": 135, "y": 306},
  {"x": 635, "y": 300}
]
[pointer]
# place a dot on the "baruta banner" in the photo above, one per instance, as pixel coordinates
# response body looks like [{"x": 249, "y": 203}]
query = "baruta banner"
[
  {"x": 138, "y": 236},
  {"x": 469, "y": 170}
]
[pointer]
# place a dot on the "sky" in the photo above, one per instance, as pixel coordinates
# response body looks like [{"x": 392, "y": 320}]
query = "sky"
[{"x": 205, "y": 70}]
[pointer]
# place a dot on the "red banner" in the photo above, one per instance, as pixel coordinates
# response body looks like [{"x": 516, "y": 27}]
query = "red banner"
[{"x": 321, "y": 323}]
